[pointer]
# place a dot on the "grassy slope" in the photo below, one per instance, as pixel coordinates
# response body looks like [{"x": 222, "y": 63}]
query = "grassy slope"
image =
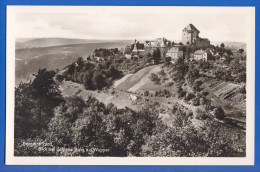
[{"x": 140, "y": 80}]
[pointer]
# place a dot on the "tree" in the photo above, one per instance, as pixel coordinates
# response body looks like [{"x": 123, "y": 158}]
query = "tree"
[
  {"x": 229, "y": 52},
  {"x": 241, "y": 51},
  {"x": 59, "y": 78},
  {"x": 219, "y": 113},
  {"x": 80, "y": 61},
  {"x": 242, "y": 76},
  {"x": 235, "y": 66},
  {"x": 192, "y": 74},
  {"x": 98, "y": 79},
  {"x": 146, "y": 93},
  {"x": 196, "y": 85},
  {"x": 162, "y": 72},
  {"x": 34, "y": 104},
  {"x": 156, "y": 55},
  {"x": 154, "y": 78},
  {"x": 167, "y": 61},
  {"x": 25, "y": 123},
  {"x": 89, "y": 131},
  {"x": 188, "y": 51},
  {"x": 46, "y": 94},
  {"x": 180, "y": 68},
  {"x": 59, "y": 129}
]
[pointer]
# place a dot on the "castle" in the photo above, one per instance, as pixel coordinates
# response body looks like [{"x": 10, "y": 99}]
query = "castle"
[{"x": 190, "y": 35}]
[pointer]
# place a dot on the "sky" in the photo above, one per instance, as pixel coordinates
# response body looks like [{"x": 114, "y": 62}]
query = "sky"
[{"x": 128, "y": 23}]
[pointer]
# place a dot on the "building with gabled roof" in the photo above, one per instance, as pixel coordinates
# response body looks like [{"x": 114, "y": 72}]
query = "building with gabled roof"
[
  {"x": 174, "y": 53},
  {"x": 138, "y": 49},
  {"x": 200, "y": 55}
]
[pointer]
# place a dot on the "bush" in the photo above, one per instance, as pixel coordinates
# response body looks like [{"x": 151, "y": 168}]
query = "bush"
[
  {"x": 204, "y": 93},
  {"x": 146, "y": 93},
  {"x": 154, "y": 78},
  {"x": 189, "y": 113},
  {"x": 59, "y": 78},
  {"x": 219, "y": 113},
  {"x": 182, "y": 94},
  {"x": 196, "y": 101},
  {"x": 196, "y": 86},
  {"x": 170, "y": 84},
  {"x": 200, "y": 114},
  {"x": 163, "y": 93},
  {"x": 189, "y": 96}
]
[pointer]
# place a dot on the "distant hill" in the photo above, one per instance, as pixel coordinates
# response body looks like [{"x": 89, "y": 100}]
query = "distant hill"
[
  {"x": 29, "y": 60},
  {"x": 48, "y": 42},
  {"x": 231, "y": 45}
]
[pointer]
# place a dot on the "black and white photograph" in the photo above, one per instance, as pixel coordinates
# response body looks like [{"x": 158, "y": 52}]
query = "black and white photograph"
[{"x": 174, "y": 85}]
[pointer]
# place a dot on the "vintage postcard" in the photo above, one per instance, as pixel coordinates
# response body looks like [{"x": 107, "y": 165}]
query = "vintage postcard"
[{"x": 130, "y": 85}]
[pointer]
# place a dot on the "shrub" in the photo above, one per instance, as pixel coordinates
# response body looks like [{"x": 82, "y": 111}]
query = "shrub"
[
  {"x": 182, "y": 94},
  {"x": 189, "y": 113},
  {"x": 154, "y": 78},
  {"x": 189, "y": 96},
  {"x": 219, "y": 113},
  {"x": 196, "y": 86},
  {"x": 146, "y": 93},
  {"x": 205, "y": 93},
  {"x": 170, "y": 84},
  {"x": 200, "y": 114},
  {"x": 196, "y": 101},
  {"x": 59, "y": 78}
]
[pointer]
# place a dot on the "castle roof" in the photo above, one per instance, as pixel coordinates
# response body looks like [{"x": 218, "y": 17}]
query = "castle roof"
[{"x": 191, "y": 27}]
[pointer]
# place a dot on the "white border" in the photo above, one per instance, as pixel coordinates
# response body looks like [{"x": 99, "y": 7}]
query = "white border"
[{"x": 10, "y": 85}]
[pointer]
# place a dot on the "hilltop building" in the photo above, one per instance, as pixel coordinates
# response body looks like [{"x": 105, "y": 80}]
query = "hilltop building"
[
  {"x": 200, "y": 55},
  {"x": 138, "y": 49},
  {"x": 161, "y": 43},
  {"x": 174, "y": 53},
  {"x": 157, "y": 43},
  {"x": 190, "y": 35}
]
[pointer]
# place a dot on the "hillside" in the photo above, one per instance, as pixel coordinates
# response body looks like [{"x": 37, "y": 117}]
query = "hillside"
[
  {"x": 29, "y": 60},
  {"x": 226, "y": 95},
  {"x": 129, "y": 92}
]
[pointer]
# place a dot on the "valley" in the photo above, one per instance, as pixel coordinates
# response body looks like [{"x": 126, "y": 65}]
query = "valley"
[{"x": 29, "y": 60}]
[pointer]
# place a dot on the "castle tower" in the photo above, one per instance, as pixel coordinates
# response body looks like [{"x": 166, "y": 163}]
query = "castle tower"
[
  {"x": 190, "y": 34},
  {"x": 135, "y": 47},
  {"x": 163, "y": 43}
]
